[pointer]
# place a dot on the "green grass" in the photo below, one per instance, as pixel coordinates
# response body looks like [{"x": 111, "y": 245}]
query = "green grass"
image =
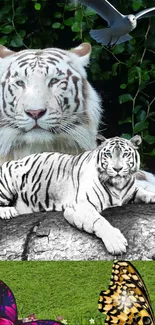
[{"x": 70, "y": 289}]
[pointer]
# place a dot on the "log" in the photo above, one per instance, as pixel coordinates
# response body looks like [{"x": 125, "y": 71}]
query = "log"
[{"x": 48, "y": 236}]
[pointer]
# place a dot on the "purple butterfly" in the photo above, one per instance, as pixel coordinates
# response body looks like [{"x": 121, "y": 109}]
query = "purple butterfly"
[{"x": 9, "y": 313}]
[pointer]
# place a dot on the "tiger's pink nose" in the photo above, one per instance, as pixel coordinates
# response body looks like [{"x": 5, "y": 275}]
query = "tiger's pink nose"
[{"x": 35, "y": 113}]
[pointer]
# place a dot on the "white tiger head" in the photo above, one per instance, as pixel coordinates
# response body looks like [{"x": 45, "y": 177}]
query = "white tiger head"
[
  {"x": 46, "y": 103},
  {"x": 118, "y": 158}
]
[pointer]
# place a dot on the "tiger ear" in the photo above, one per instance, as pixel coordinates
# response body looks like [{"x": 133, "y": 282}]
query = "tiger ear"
[
  {"x": 4, "y": 51},
  {"x": 100, "y": 139},
  {"x": 136, "y": 140},
  {"x": 83, "y": 51}
]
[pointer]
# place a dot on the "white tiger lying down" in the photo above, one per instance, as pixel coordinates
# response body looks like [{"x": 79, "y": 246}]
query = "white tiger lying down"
[
  {"x": 47, "y": 104},
  {"x": 80, "y": 185}
]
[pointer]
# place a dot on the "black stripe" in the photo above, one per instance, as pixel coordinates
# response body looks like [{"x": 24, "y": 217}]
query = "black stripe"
[
  {"x": 36, "y": 171},
  {"x": 27, "y": 160},
  {"x": 73, "y": 164},
  {"x": 36, "y": 192},
  {"x": 98, "y": 157},
  {"x": 128, "y": 182},
  {"x": 24, "y": 198},
  {"x": 78, "y": 176},
  {"x": 9, "y": 169},
  {"x": 49, "y": 170},
  {"x": 59, "y": 167},
  {"x": 108, "y": 192},
  {"x": 101, "y": 205},
  {"x": 26, "y": 175},
  {"x": 76, "y": 98},
  {"x": 3, "y": 196},
  {"x": 41, "y": 208},
  {"x": 48, "y": 156},
  {"x": 8, "y": 187},
  {"x": 35, "y": 160},
  {"x": 134, "y": 196},
  {"x": 56, "y": 53},
  {"x": 64, "y": 168},
  {"x": 37, "y": 180},
  {"x": 128, "y": 188},
  {"x": 32, "y": 198},
  {"x": 88, "y": 199},
  {"x": 47, "y": 188}
]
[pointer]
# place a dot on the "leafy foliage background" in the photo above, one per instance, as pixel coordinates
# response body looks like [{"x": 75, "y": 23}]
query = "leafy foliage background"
[{"x": 124, "y": 76}]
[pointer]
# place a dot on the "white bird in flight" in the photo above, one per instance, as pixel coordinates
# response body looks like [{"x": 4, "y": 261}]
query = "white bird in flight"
[{"x": 119, "y": 25}]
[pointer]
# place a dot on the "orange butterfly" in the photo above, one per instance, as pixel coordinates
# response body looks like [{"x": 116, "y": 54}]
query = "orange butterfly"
[{"x": 126, "y": 302}]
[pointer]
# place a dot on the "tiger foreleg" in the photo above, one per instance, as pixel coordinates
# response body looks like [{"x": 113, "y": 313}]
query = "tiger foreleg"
[
  {"x": 8, "y": 212},
  {"x": 144, "y": 196},
  {"x": 87, "y": 218}
]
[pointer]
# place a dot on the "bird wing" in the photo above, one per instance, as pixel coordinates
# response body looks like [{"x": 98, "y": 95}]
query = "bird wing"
[
  {"x": 104, "y": 9},
  {"x": 145, "y": 13}
]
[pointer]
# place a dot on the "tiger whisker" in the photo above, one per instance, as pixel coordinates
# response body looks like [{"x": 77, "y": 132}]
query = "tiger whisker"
[{"x": 78, "y": 135}]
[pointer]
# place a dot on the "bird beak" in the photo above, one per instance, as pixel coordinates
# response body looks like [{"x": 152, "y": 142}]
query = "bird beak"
[{"x": 130, "y": 21}]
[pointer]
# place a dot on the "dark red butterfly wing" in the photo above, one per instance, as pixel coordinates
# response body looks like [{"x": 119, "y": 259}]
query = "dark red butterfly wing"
[{"x": 8, "y": 307}]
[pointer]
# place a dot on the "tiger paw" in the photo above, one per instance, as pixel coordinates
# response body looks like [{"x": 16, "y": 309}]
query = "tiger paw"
[
  {"x": 8, "y": 212},
  {"x": 152, "y": 199},
  {"x": 115, "y": 241}
]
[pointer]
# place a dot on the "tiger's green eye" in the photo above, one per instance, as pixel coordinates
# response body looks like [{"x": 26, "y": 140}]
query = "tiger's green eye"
[
  {"x": 53, "y": 81},
  {"x": 20, "y": 83},
  {"x": 108, "y": 154}
]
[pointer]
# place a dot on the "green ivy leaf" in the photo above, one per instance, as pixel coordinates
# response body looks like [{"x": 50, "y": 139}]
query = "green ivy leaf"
[
  {"x": 3, "y": 41},
  {"x": 118, "y": 48},
  {"x": 89, "y": 12},
  {"x": 37, "y": 6},
  {"x": 96, "y": 51},
  {"x": 56, "y": 25},
  {"x": 141, "y": 115},
  {"x": 7, "y": 29},
  {"x": 152, "y": 153},
  {"x": 57, "y": 14},
  {"x": 136, "y": 5},
  {"x": 127, "y": 120},
  {"x": 123, "y": 86},
  {"x": 125, "y": 98},
  {"x": 16, "y": 42},
  {"x": 69, "y": 6},
  {"x": 126, "y": 136},
  {"x": 140, "y": 126},
  {"x": 136, "y": 109},
  {"x": 22, "y": 33},
  {"x": 114, "y": 68},
  {"x": 139, "y": 74},
  {"x": 69, "y": 21},
  {"x": 76, "y": 27},
  {"x": 150, "y": 139},
  {"x": 78, "y": 15}
]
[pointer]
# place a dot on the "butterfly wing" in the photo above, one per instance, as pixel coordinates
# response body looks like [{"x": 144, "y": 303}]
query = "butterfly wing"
[
  {"x": 126, "y": 302},
  {"x": 43, "y": 322},
  {"x": 8, "y": 307},
  {"x": 125, "y": 271}
]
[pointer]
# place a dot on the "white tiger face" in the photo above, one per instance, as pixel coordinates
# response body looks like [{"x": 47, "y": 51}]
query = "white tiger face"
[
  {"x": 119, "y": 157},
  {"x": 45, "y": 97}
]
